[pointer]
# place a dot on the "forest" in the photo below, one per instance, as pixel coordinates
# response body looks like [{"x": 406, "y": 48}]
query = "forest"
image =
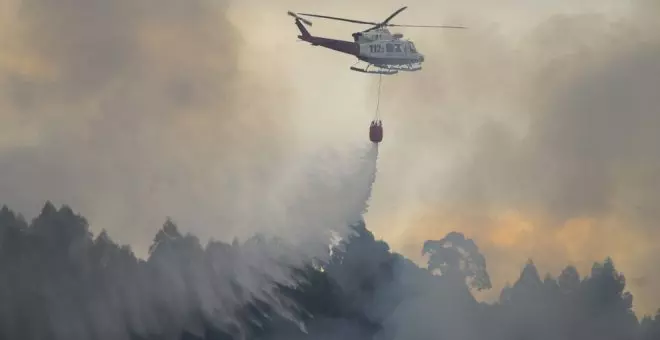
[{"x": 59, "y": 281}]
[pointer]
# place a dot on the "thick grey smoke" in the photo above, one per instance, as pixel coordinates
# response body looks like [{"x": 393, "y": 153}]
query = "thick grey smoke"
[
  {"x": 556, "y": 125},
  {"x": 147, "y": 102},
  {"x": 594, "y": 123},
  {"x": 134, "y": 111},
  {"x": 184, "y": 283}
]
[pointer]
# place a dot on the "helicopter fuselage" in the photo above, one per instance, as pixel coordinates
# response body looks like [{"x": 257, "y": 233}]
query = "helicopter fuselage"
[{"x": 378, "y": 47}]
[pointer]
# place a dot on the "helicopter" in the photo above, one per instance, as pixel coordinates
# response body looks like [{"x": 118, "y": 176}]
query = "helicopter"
[{"x": 380, "y": 49}]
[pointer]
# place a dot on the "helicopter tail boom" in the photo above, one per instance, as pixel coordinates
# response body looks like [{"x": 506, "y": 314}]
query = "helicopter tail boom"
[{"x": 348, "y": 47}]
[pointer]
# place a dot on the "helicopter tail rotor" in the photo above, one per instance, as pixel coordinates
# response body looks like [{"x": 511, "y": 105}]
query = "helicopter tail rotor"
[{"x": 307, "y": 22}]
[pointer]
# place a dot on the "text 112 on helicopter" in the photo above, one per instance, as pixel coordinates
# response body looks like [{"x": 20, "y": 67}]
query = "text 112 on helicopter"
[{"x": 376, "y": 46}]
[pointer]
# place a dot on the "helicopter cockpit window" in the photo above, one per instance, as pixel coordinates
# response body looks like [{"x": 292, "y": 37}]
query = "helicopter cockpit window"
[
  {"x": 397, "y": 48},
  {"x": 412, "y": 48},
  {"x": 389, "y": 48}
]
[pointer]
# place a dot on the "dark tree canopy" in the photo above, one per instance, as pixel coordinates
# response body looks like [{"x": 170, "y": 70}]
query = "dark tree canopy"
[
  {"x": 58, "y": 281},
  {"x": 458, "y": 257}
]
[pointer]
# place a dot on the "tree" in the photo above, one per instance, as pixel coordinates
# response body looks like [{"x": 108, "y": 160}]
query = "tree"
[
  {"x": 606, "y": 305},
  {"x": 458, "y": 258},
  {"x": 57, "y": 282}
]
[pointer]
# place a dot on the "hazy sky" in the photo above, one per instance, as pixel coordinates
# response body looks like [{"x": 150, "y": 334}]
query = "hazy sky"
[{"x": 534, "y": 132}]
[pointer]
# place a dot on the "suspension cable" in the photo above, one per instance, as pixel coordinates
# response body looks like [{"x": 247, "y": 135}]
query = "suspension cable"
[{"x": 380, "y": 79}]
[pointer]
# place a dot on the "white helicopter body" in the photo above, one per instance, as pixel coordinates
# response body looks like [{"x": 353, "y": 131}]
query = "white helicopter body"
[{"x": 376, "y": 46}]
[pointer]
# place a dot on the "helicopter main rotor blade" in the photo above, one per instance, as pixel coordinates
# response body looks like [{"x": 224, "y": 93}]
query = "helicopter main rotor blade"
[
  {"x": 376, "y": 24},
  {"x": 427, "y": 26},
  {"x": 340, "y": 19},
  {"x": 393, "y": 15},
  {"x": 385, "y": 22}
]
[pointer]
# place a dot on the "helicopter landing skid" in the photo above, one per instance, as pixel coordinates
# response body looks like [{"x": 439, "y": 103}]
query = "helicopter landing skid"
[
  {"x": 405, "y": 68},
  {"x": 374, "y": 70}
]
